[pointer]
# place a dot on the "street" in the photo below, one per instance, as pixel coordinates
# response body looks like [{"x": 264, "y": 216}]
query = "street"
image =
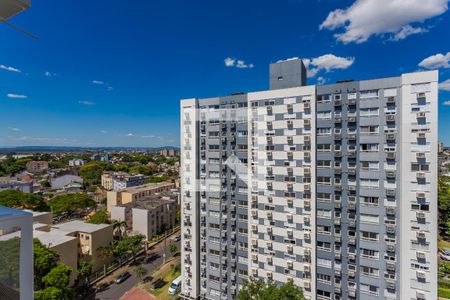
[{"x": 152, "y": 262}]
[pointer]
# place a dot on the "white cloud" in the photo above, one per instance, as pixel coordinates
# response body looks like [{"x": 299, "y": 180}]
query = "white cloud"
[
  {"x": 86, "y": 102},
  {"x": 327, "y": 62},
  {"x": 103, "y": 131},
  {"x": 321, "y": 80},
  {"x": 148, "y": 136},
  {"x": 229, "y": 62},
  {"x": 16, "y": 96},
  {"x": 445, "y": 85},
  {"x": 446, "y": 103},
  {"x": 99, "y": 82},
  {"x": 238, "y": 63},
  {"x": 130, "y": 134},
  {"x": 436, "y": 61},
  {"x": 14, "y": 129},
  {"x": 49, "y": 74},
  {"x": 365, "y": 18},
  {"x": 11, "y": 69}
]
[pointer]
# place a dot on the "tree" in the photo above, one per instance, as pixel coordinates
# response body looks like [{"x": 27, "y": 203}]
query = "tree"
[
  {"x": 129, "y": 244},
  {"x": 119, "y": 228},
  {"x": 140, "y": 272},
  {"x": 156, "y": 179},
  {"x": 172, "y": 248},
  {"x": 92, "y": 172},
  {"x": 140, "y": 169},
  {"x": 69, "y": 203},
  {"x": 10, "y": 262},
  {"x": 100, "y": 217},
  {"x": 84, "y": 271},
  {"x": 45, "y": 260},
  {"x": 18, "y": 199},
  {"x": 107, "y": 251},
  {"x": 51, "y": 279},
  {"x": 261, "y": 290}
]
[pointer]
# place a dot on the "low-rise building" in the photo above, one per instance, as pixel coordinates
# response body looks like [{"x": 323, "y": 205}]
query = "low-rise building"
[
  {"x": 77, "y": 162},
  {"x": 11, "y": 183},
  {"x": 76, "y": 239},
  {"x": 64, "y": 181},
  {"x": 121, "y": 180},
  {"x": 117, "y": 198},
  {"x": 37, "y": 166},
  {"x": 150, "y": 215}
]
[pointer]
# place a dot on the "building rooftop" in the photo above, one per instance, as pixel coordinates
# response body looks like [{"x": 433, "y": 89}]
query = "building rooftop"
[
  {"x": 7, "y": 212},
  {"x": 53, "y": 237},
  {"x": 136, "y": 189},
  {"x": 74, "y": 226}
]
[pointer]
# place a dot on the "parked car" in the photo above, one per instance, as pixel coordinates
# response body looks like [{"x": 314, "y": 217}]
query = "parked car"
[
  {"x": 175, "y": 287},
  {"x": 122, "y": 277},
  {"x": 177, "y": 238},
  {"x": 445, "y": 254}
]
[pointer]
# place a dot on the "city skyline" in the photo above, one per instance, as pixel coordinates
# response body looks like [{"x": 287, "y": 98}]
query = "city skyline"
[{"x": 92, "y": 81}]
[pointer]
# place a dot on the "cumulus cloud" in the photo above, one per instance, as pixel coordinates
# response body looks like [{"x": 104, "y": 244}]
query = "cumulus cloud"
[
  {"x": 10, "y": 69},
  {"x": 445, "y": 85},
  {"x": 446, "y": 103},
  {"x": 98, "y": 82},
  {"x": 103, "y": 131},
  {"x": 14, "y": 129},
  {"x": 130, "y": 134},
  {"x": 237, "y": 63},
  {"x": 86, "y": 102},
  {"x": 49, "y": 74},
  {"x": 436, "y": 61},
  {"x": 365, "y": 18},
  {"x": 327, "y": 62},
  {"x": 16, "y": 96}
]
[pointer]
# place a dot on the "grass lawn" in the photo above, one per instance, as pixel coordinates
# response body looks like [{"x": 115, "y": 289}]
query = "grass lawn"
[
  {"x": 443, "y": 244},
  {"x": 166, "y": 273},
  {"x": 444, "y": 293}
]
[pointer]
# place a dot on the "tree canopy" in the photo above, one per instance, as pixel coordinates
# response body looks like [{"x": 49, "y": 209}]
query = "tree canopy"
[
  {"x": 100, "y": 217},
  {"x": 92, "y": 172},
  {"x": 69, "y": 203},
  {"x": 261, "y": 290},
  {"x": 11, "y": 166},
  {"x": 129, "y": 244},
  {"x": 18, "y": 199}
]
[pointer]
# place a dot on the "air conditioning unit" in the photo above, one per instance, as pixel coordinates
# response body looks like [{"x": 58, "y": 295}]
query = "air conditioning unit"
[
  {"x": 269, "y": 230},
  {"x": 420, "y": 235},
  {"x": 420, "y": 295},
  {"x": 420, "y": 195},
  {"x": 255, "y": 257},
  {"x": 421, "y": 175},
  {"x": 307, "y": 187},
  {"x": 421, "y": 95},
  {"x": 390, "y": 118},
  {"x": 306, "y": 268},
  {"x": 307, "y": 171},
  {"x": 307, "y": 203},
  {"x": 306, "y": 105},
  {"x": 420, "y": 275},
  {"x": 307, "y": 122},
  {"x": 269, "y": 275},
  {"x": 421, "y": 114},
  {"x": 307, "y": 285},
  {"x": 306, "y": 220},
  {"x": 254, "y": 242},
  {"x": 307, "y": 252},
  {"x": 420, "y": 155},
  {"x": 289, "y": 264},
  {"x": 390, "y": 248},
  {"x": 307, "y": 138},
  {"x": 307, "y": 236},
  {"x": 420, "y": 255},
  {"x": 255, "y": 271},
  {"x": 421, "y": 135},
  {"x": 420, "y": 215},
  {"x": 351, "y": 273},
  {"x": 289, "y": 248},
  {"x": 269, "y": 215}
]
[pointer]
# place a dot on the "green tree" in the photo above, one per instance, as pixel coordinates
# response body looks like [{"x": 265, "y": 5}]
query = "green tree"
[
  {"x": 10, "y": 262},
  {"x": 140, "y": 272},
  {"x": 121, "y": 168},
  {"x": 18, "y": 199},
  {"x": 140, "y": 169},
  {"x": 173, "y": 248},
  {"x": 100, "y": 217},
  {"x": 119, "y": 228},
  {"x": 84, "y": 270},
  {"x": 92, "y": 172},
  {"x": 129, "y": 244},
  {"x": 156, "y": 179},
  {"x": 69, "y": 203},
  {"x": 44, "y": 261},
  {"x": 261, "y": 290}
]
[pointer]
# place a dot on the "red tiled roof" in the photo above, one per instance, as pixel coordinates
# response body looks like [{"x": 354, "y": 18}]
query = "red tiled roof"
[{"x": 137, "y": 294}]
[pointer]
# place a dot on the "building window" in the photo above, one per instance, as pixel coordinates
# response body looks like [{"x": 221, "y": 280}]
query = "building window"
[
  {"x": 369, "y": 236},
  {"x": 324, "y": 115},
  {"x": 370, "y": 165},
  {"x": 368, "y": 253},
  {"x": 370, "y": 219},
  {"x": 323, "y": 131},
  {"x": 369, "y": 112},
  {"x": 323, "y": 163},
  {"x": 323, "y": 148},
  {"x": 369, "y": 201},
  {"x": 369, "y": 147},
  {"x": 324, "y": 180},
  {"x": 369, "y": 130},
  {"x": 368, "y": 94},
  {"x": 369, "y": 271}
]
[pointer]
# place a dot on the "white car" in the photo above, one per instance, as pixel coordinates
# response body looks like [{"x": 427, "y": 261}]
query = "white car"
[
  {"x": 177, "y": 238},
  {"x": 175, "y": 287},
  {"x": 445, "y": 254}
]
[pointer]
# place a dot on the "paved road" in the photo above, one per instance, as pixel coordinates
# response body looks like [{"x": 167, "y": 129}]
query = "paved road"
[{"x": 115, "y": 291}]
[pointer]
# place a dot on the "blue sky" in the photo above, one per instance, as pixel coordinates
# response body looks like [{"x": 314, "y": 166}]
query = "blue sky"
[{"x": 111, "y": 73}]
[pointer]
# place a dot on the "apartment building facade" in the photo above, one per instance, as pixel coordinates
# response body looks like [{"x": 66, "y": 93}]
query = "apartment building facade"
[{"x": 340, "y": 180}]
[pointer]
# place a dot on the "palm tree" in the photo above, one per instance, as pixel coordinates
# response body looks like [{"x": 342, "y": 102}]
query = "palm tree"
[
  {"x": 119, "y": 228},
  {"x": 140, "y": 272}
]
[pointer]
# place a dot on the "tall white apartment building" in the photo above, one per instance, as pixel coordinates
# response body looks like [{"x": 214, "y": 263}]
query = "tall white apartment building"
[{"x": 332, "y": 187}]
